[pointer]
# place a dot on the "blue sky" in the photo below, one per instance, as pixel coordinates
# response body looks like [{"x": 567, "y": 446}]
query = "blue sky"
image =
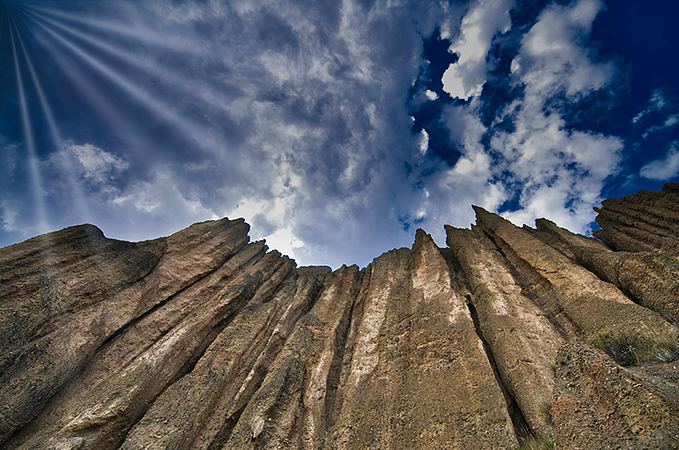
[{"x": 335, "y": 128}]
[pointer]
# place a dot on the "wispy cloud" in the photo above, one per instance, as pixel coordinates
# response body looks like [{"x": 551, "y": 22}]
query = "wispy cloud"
[
  {"x": 664, "y": 168},
  {"x": 660, "y": 116},
  {"x": 668, "y": 123},
  {"x": 93, "y": 163},
  {"x": 657, "y": 102}
]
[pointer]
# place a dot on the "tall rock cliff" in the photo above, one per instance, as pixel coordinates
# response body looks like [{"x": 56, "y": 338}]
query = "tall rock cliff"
[{"x": 508, "y": 337}]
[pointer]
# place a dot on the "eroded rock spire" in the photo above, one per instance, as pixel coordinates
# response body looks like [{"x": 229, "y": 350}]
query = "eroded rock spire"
[{"x": 203, "y": 340}]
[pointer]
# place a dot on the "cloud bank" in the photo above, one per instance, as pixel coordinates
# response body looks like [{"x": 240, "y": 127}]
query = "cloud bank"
[{"x": 295, "y": 116}]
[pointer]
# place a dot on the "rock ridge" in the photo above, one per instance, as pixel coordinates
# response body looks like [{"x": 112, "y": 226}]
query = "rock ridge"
[{"x": 204, "y": 340}]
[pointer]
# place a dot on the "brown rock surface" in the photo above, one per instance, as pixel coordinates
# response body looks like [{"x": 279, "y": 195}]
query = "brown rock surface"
[
  {"x": 642, "y": 221},
  {"x": 290, "y": 409},
  {"x": 523, "y": 341},
  {"x": 201, "y": 340},
  {"x": 588, "y": 306},
  {"x": 598, "y": 404},
  {"x": 647, "y": 277},
  {"x": 419, "y": 373}
]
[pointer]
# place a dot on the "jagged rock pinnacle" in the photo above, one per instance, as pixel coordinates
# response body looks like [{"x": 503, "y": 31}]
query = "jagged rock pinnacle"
[{"x": 204, "y": 340}]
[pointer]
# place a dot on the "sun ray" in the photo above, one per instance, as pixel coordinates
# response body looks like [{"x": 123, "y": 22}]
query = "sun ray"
[
  {"x": 201, "y": 136},
  {"x": 33, "y": 165},
  {"x": 76, "y": 188},
  {"x": 147, "y": 37},
  {"x": 186, "y": 84},
  {"x": 113, "y": 113}
]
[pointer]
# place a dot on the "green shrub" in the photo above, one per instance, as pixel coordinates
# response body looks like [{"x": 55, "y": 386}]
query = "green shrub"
[{"x": 632, "y": 350}]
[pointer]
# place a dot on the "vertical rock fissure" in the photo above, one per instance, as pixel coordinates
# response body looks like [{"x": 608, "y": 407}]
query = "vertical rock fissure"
[
  {"x": 260, "y": 369},
  {"x": 200, "y": 350},
  {"x": 228, "y": 416},
  {"x": 456, "y": 271},
  {"x": 534, "y": 286},
  {"x": 224, "y": 434},
  {"x": 335, "y": 372},
  {"x": 355, "y": 320},
  {"x": 521, "y": 428}
]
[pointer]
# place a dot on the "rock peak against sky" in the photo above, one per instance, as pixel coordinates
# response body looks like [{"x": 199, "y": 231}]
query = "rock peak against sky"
[
  {"x": 204, "y": 339},
  {"x": 334, "y": 128}
]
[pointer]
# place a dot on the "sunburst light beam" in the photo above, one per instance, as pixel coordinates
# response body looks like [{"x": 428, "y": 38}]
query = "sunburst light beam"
[
  {"x": 147, "y": 37},
  {"x": 57, "y": 140},
  {"x": 188, "y": 85},
  {"x": 27, "y": 128},
  {"x": 113, "y": 113},
  {"x": 201, "y": 136}
]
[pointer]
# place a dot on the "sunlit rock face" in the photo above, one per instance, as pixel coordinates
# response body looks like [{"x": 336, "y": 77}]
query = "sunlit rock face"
[{"x": 205, "y": 340}]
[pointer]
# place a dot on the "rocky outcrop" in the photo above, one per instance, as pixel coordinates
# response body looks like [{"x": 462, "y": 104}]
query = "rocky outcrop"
[
  {"x": 204, "y": 340},
  {"x": 418, "y": 371},
  {"x": 518, "y": 333},
  {"x": 597, "y": 404}
]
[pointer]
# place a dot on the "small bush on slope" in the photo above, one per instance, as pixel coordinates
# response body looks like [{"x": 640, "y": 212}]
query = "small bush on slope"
[{"x": 631, "y": 350}]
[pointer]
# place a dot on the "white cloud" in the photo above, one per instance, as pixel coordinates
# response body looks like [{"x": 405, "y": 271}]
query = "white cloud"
[
  {"x": 465, "y": 127},
  {"x": 285, "y": 241},
  {"x": 552, "y": 58},
  {"x": 91, "y": 163},
  {"x": 424, "y": 141},
  {"x": 9, "y": 215},
  {"x": 664, "y": 168},
  {"x": 559, "y": 172},
  {"x": 466, "y": 77},
  {"x": 318, "y": 97},
  {"x": 312, "y": 145},
  {"x": 161, "y": 197},
  {"x": 248, "y": 209}
]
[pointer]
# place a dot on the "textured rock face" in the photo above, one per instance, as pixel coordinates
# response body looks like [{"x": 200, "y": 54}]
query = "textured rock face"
[{"x": 202, "y": 340}]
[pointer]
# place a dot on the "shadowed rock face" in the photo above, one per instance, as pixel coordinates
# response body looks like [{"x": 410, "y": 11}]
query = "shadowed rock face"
[{"x": 203, "y": 340}]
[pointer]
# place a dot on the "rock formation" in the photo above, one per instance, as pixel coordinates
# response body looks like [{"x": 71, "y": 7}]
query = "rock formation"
[{"x": 203, "y": 340}]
